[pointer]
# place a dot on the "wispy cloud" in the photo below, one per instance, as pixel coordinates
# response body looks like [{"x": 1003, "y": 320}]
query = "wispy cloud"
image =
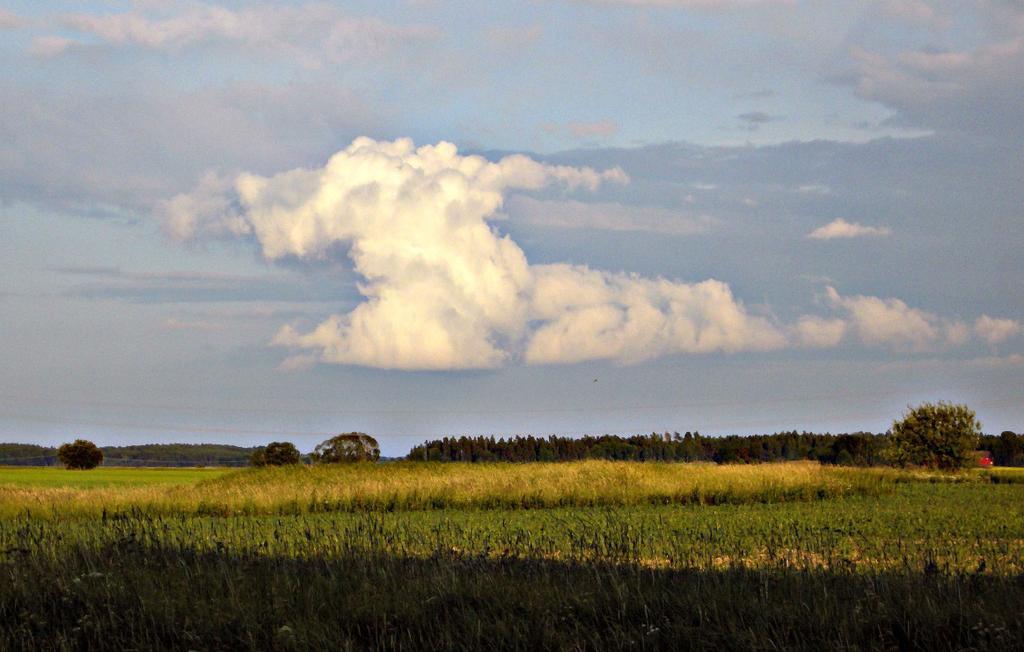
[
  {"x": 514, "y": 37},
  {"x": 754, "y": 119},
  {"x": 571, "y": 214},
  {"x": 760, "y": 94},
  {"x": 49, "y": 46},
  {"x": 106, "y": 283},
  {"x": 588, "y": 129},
  {"x": 914, "y": 11},
  {"x": 10, "y": 21},
  {"x": 581, "y": 130},
  {"x": 202, "y": 326},
  {"x": 694, "y": 4},
  {"x": 311, "y": 33},
  {"x": 49, "y": 158},
  {"x": 998, "y": 362}
]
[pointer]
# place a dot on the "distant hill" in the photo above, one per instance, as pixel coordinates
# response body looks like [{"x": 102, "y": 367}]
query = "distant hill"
[{"x": 141, "y": 455}]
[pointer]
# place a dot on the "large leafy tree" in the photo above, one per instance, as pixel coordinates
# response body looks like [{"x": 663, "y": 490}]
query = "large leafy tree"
[
  {"x": 80, "y": 454},
  {"x": 276, "y": 453},
  {"x": 937, "y": 435},
  {"x": 349, "y": 447}
]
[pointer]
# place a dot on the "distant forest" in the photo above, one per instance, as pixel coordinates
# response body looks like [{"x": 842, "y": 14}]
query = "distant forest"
[
  {"x": 853, "y": 449},
  {"x": 141, "y": 455}
]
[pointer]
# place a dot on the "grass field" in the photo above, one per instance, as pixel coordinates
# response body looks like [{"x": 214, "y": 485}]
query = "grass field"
[
  {"x": 562, "y": 556},
  {"x": 419, "y": 486},
  {"x": 41, "y": 477}
]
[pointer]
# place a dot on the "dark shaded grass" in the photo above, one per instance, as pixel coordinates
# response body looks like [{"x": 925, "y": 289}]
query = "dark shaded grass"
[
  {"x": 128, "y": 596},
  {"x": 930, "y": 566}
]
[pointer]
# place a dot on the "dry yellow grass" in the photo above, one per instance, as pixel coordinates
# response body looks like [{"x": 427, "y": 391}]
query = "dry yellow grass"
[{"x": 418, "y": 486}]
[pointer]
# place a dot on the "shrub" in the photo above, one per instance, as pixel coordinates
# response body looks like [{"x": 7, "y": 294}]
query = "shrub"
[
  {"x": 276, "y": 453},
  {"x": 80, "y": 454},
  {"x": 349, "y": 447},
  {"x": 937, "y": 435}
]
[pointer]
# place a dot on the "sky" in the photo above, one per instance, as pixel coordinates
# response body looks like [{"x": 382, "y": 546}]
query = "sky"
[{"x": 244, "y": 222}]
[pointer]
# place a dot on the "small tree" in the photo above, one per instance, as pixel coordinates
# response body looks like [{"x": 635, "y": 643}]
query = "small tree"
[
  {"x": 937, "y": 435},
  {"x": 276, "y": 453},
  {"x": 258, "y": 457},
  {"x": 80, "y": 454},
  {"x": 350, "y": 447}
]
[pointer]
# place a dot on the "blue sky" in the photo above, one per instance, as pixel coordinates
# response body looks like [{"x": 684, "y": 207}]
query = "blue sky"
[{"x": 734, "y": 216}]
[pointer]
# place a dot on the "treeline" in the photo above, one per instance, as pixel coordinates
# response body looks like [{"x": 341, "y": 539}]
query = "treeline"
[
  {"x": 171, "y": 455},
  {"x": 1007, "y": 448},
  {"x": 851, "y": 449},
  {"x": 27, "y": 455}
]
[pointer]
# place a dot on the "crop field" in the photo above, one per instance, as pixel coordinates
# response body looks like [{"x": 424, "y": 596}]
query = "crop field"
[{"x": 591, "y": 555}]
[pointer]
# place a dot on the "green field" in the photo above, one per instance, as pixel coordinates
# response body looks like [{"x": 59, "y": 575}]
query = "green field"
[
  {"x": 27, "y": 476},
  {"x": 594, "y": 555}
]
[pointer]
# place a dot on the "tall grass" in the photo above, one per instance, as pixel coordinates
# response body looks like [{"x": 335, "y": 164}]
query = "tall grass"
[
  {"x": 421, "y": 486},
  {"x": 930, "y": 566},
  {"x": 955, "y": 526},
  {"x": 591, "y": 555}
]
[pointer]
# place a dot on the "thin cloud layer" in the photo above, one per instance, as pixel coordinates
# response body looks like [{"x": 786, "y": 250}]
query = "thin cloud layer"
[
  {"x": 9, "y": 20},
  {"x": 694, "y": 4},
  {"x": 312, "y": 33},
  {"x": 920, "y": 12},
  {"x": 975, "y": 91},
  {"x": 840, "y": 228},
  {"x": 605, "y": 216},
  {"x": 590, "y": 129}
]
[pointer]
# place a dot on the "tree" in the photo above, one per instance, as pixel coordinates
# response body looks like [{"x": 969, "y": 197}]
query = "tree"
[
  {"x": 937, "y": 435},
  {"x": 349, "y": 447},
  {"x": 1011, "y": 448},
  {"x": 80, "y": 454},
  {"x": 276, "y": 453}
]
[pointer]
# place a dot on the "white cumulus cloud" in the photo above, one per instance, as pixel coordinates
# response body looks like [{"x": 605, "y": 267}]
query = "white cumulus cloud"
[
  {"x": 891, "y": 322},
  {"x": 442, "y": 288},
  {"x": 840, "y": 228},
  {"x": 587, "y": 314},
  {"x": 995, "y": 331},
  {"x": 817, "y": 332}
]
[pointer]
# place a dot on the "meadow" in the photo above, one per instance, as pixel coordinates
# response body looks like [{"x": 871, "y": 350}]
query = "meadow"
[
  {"x": 425, "y": 486},
  {"x": 44, "y": 477},
  {"x": 592, "y": 555}
]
